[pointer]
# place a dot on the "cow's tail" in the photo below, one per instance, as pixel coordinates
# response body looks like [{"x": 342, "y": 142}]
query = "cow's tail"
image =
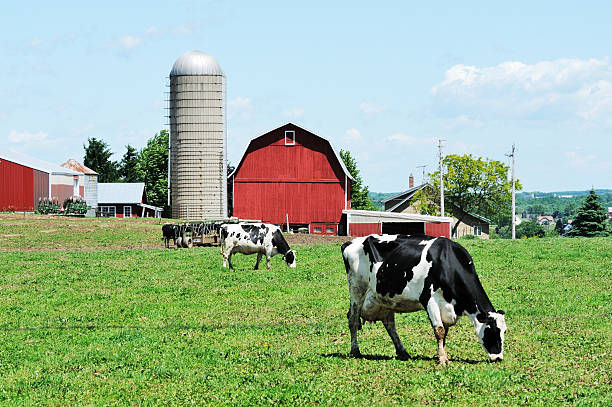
[
  {"x": 222, "y": 236},
  {"x": 346, "y": 264}
]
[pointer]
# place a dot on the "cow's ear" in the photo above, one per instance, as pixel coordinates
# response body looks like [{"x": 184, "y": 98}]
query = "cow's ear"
[
  {"x": 482, "y": 318},
  {"x": 501, "y": 311}
]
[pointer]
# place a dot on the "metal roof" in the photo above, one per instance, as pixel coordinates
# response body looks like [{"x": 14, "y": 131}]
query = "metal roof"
[
  {"x": 346, "y": 172},
  {"x": 34, "y": 163},
  {"x": 120, "y": 193},
  {"x": 78, "y": 167},
  {"x": 196, "y": 63},
  {"x": 409, "y": 217}
]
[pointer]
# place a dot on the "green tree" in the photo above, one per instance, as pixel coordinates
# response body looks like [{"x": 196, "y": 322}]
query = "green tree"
[
  {"x": 129, "y": 169},
  {"x": 529, "y": 229},
  {"x": 471, "y": 186},
  {"x": 591, "y": 219},
  {"x": 360, "y": 194},
  {"x": 97, "y": 157},
  {"x": 153, "y": 165}
]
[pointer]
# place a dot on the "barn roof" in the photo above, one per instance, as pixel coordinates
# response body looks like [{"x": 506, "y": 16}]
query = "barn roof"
[
  {"x": 346, "y": 172},
  {"x": 34, "y": 163},
  {"x": 78, "y": 167},
  {"x": 121, "y": 192}
]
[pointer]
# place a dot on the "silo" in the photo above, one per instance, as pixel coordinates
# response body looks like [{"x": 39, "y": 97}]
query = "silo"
[{"x": 198, "y": 151}]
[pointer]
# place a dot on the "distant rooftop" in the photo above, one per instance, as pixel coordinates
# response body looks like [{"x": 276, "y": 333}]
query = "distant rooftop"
[
  {"x": 78, "y": 167},
  {"x": 34, "y": 163},
  {"x": 121, "y": 192}
]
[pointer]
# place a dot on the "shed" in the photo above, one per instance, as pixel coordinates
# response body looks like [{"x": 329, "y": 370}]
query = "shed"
[
  {"x": 125, "y": 200},
  {"x": 24, "y": 180},
  {"x": 363, "y": 223},
  {"x": 291, "y": 173},
  {"x": 88, "y": 182}
]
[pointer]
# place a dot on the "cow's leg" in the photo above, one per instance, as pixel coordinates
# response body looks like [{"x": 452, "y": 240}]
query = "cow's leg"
[
  {"x": 357, "y": 294},
  {"x": 229, "y": 260},
  {"x": 433, "y": 310},
  {"x": 389, "y": 323},
  {"x": 258, "y": 260},
  {"x": 268, "y": 262}
]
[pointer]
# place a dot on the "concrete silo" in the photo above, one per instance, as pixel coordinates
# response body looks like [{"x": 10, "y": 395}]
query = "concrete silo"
[{"x": 198, "y": 150}]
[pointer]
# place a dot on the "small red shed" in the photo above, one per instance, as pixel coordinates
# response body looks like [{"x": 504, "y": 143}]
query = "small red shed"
[{"x": 292, "y": 173}]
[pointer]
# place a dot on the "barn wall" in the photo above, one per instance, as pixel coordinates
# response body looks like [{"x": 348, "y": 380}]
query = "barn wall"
[
  {"x": 62, "y": 186},
  {"x": 304, "y": 180},
  {"x": 437, "y": 229},
  {"x": 364, "y": 229},
  {"x": 16, "y": 187},
  {"x": 41, "y": 186}
]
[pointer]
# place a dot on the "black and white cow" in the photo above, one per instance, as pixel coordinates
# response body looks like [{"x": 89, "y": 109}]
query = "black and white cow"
[
  {"x": 399, "y": 273},
  {"x": 169, "y": 231},
  {"x": 254, "y": 238}
]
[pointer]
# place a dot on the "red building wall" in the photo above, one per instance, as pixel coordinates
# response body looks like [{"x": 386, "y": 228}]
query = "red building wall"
[
  {"x": 364, "y": 229},
  {"x": 437, "y": 229},
  {"x": 304, "y": 180},
  {"x": 16, "y": 187}
]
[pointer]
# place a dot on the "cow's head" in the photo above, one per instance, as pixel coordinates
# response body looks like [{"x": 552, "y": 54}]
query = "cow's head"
[
  {"x": 491, "y": 333},
  {"x": 289, "y": 258}
]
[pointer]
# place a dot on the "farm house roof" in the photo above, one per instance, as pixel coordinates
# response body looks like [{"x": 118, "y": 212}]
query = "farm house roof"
[
  {"x": 34, "y": 163},
  {"x": 121, "y": 192},
  {"x": 78, "y": 167},
  {"x": 346, "y": 172}
]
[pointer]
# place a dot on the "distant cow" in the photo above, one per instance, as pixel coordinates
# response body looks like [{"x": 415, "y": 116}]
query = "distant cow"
[
  {"x": 254, "y": 238},
  {"x": 169, "y": 231},
  {"x": 398, "y": 273}
]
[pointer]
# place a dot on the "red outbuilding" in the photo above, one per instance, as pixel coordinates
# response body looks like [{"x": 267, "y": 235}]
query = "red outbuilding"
[{"x": 291, "y": 173}]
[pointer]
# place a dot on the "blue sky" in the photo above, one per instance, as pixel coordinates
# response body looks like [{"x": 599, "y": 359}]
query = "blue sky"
[{"x": 385, "y": 82}]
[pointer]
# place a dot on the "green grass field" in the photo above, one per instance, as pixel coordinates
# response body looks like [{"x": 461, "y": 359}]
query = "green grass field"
[{"x": 84, "y": 321}]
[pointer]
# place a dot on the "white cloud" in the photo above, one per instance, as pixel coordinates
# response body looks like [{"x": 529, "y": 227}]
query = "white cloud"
[
  {"x": 353, "y": 136},
  {"x": 129, "y": 42},
  {"x": 241, "y": 103},
  {"x": 293, "y": 112},
  {"x": 559, "y": 90},
  {"x": 26, "y": 137},
  {"x": 371, "y": 108},
  {"x": 462, "y": 121},
  {"x": 583, "y": 161}
]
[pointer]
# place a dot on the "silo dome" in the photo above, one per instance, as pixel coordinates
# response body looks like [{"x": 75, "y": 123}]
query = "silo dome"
[{"x": 196, "y": 63}]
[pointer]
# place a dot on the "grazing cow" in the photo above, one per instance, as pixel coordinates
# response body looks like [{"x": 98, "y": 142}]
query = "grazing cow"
[
  {"x": 399, "y": 273},
  {"x": 169, "y": 231},
  {"x": 251, "y": 238}
]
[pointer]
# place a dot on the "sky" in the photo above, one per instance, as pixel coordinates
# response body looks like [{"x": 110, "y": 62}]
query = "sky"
[{"x": 384, "y": 81}]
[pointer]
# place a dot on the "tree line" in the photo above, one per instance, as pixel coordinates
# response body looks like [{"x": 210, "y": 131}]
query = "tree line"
[{"x": 149, "y": 165}]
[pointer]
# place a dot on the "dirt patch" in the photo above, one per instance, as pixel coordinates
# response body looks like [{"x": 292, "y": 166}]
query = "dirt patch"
[{"x": 301, "y": 239}]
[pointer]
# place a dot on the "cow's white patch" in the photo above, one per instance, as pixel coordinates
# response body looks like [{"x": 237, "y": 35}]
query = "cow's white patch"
[{"x": 386, "y": 238}]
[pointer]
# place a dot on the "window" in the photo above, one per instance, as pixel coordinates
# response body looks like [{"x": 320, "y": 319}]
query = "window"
[
  {"x": 317, "y": 230},
  {"x": 107, "y": 211},
  {"x": 289, "y": 137},
  {"x": 127, "y": 211},
  {"x": 477, "y": 230},
  {"x": 329, "y": 230}
]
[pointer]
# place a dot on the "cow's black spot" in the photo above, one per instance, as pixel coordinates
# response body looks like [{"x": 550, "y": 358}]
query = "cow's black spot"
[
  {"x": 396, "y": 270},
  {"x": 254, "y": 233},
  {"x": 278, "y": 241},
  {"x": 346, "y": 264}
]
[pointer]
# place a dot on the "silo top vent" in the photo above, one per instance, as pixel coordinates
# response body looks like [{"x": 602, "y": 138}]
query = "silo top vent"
[{"x": 196, "y": 63}]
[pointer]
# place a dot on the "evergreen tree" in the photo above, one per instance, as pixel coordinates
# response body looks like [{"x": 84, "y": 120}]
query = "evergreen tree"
[
  {"x": 97, "y": 157},
  {"x": 153, "y": 165},
  {"x": 591, "y": 218},
  {"x": 128, "y": 167},
  {"x": 360, "y": 194}
]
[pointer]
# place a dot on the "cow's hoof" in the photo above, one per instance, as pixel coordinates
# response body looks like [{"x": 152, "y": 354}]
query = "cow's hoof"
[
  {"x": 356, "y": 354},
  {"x": 403, "y": 356},
  {"x": 443, "y": 362}
]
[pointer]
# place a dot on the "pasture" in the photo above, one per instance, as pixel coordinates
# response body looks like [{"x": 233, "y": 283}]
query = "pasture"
[{"x": 96, "y": 312}]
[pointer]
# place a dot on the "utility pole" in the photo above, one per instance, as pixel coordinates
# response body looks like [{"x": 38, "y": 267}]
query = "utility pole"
[
  {"x": 512, "y": 154},
  {"x": 441, "y": 179},
  {"x": 423, "y": 177}
]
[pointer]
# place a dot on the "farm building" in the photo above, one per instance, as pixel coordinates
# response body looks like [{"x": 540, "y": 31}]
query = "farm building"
[
  {"x": 291, "y": 173},
  {"x": 404, "y": 203},
  {"x": 88, "y": 180},
  {"x": 125, "y": 200},
  {"x": 24, "y": 180},
  {"x": 363, "y": 223}
]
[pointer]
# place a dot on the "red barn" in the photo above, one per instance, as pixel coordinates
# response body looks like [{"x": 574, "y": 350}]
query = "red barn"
[{"x": 291, "y": 172}]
